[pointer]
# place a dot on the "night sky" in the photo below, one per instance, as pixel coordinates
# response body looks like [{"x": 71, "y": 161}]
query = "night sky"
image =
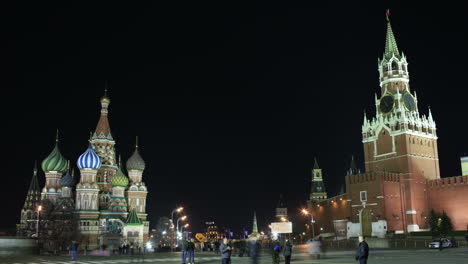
[{"x": 231, "y": 103}]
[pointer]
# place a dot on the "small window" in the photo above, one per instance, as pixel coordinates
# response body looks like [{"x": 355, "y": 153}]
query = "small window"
[{"x": 363, "y": 196}]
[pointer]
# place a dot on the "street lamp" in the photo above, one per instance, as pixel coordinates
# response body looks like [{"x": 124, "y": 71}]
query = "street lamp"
[
  {"x": 312, "y": 221},
  {"x": 39, "y": 209},
  {"x": 177, "y": 227},
  {"x": 176, "y": 210}
]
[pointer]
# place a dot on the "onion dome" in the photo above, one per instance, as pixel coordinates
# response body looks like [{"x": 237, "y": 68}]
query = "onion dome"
[
  {"x": 119, "y": 179},
  {"x": 55, "y": 161},
  {"x": 105, "y": 99},
  {"x": 89, "y": 160},
  {"x": 135, "y": 162},
  {"x": 67, "y": 180}
]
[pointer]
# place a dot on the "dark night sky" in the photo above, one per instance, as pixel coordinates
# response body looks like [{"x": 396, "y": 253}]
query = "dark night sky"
[{"x": 231, "y": 103}]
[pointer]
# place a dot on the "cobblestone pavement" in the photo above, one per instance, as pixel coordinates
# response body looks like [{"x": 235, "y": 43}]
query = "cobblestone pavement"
[{"x": 424, "y": 256}]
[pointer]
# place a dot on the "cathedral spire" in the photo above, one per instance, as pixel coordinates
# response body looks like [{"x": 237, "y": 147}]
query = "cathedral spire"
[
  {"x": 103, "y": 128},
  {"x": 254, "y": 226},
  {"x": 34, "y": 193},
  {"x": 391, "y": 47},
  {"x": 316, "y": 166}
]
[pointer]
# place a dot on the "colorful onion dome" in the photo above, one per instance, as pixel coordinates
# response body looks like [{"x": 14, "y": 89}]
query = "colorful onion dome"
[
  {"x": 67, "y": 180},
  {"x": 135, "y": 162},
  {"x": 119, "y": 179},
  {"x": 89, "y": 160},
  {"x": 55, "y": 161}
]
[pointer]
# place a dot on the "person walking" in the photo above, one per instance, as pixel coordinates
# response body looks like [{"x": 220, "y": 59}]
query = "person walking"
[
  {"x": 254, "y": 248},
  {"x": 191, "y": 251},
  {"x": 362, "y": 252},
  {"x": 184, "y": 248},
  {"x": 226, "y": 250},
  {"x": 287, "y": 252},
  {"x": 275, "y": 251},
  {"x": 73, "y": 249}
]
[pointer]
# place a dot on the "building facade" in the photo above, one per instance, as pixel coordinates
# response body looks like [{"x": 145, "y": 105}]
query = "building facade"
[
  {"x": 109, "y": 207},
  {"x": 402, "y": 181}
]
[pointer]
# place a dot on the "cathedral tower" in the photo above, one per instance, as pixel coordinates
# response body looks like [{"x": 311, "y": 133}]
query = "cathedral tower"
[
  {"x": 137, "y": 192},
  {"x": 317, "y": 191},
  {"x": 86, "y": 202},
  {"x": 104, "y": 146},
  {"x": 399, "y": 138},
  {"x": 27, "y": 225},
  {"x": 53, "y": 166}
]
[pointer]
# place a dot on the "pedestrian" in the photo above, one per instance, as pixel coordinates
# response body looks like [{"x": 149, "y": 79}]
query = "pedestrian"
[
  {"x": 73, "y": 249},
  {"x": 184, "y": 248},
  {"x": 362, "y": 252},
  {"x": 191, "y": 251},
  {"x": 287, "y": 252},
  {"x": 275, "y": 251},
  {"x": 254, "y": 248},
  {"x": 226, "y": 250},
  {"x": 441, "y": 245}
]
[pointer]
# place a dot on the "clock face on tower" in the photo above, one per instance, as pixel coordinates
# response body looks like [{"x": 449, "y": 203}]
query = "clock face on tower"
[
  {"x": 386, "y": 103},
  {"x": 408, "y": 99}
]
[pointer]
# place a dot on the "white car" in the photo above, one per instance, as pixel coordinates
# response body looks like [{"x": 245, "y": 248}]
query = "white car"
[{"x": 446, "y": 243}]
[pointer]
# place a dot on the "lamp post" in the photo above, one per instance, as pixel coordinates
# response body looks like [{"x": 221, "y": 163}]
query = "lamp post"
[
  {"x": 177, "y": 227},
  {"x": 39, "y": 209},
  {"x": 176, "y": 210},
  {"x": 312, "y": 221}
]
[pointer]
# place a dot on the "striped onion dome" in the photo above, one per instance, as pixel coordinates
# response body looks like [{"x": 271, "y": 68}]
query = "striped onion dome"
[
  {"x": 89, "y": 160},
  {"x": 67, "y": 180},
  {"x": 119, "y": 179},
  {"x": 55, "y": 161},
  {"x": 135, "y": 162}
]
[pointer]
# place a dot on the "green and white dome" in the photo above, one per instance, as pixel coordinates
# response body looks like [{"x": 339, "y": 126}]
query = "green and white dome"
[{"x": 55, "y": 161}]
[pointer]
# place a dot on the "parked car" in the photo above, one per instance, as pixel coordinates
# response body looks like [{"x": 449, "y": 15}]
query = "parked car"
[{"x": 446, "y": 243}]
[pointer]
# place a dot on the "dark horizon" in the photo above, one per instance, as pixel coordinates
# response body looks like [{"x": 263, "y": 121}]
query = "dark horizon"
[{"x": 231, "y": 107}]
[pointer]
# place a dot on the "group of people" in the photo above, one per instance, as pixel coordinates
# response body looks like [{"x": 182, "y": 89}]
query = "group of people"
[{"x": 188, "y": 249}]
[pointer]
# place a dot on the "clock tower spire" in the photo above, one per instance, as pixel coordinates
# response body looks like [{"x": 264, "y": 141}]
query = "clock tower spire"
[{"x": 399, "y": 138}]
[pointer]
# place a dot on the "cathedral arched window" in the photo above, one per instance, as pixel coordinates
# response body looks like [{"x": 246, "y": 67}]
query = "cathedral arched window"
[
  {"x": 394, "y": 66},
  {"x": 404, "y": 67}
]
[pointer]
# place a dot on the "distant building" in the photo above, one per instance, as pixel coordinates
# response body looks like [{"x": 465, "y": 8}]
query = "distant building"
[
  {"x": 212, "y": 231},
  {"x": 281, "y": 210}
]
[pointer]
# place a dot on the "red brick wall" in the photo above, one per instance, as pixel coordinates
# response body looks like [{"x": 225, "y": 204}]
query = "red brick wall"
[{"x": 450, "y": 195}]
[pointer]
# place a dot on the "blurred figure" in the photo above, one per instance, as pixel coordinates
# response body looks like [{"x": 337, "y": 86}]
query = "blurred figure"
[
  {"x": 275, "y": 251},
  {"x": 73, "y": 249},
  {"x": 314, "y": 247},
  {"x": 226, "y": 250},
  {"x": 287, "y": 252},
  {"x": 191, "y": 251},
  {"x": 254, "y": 248},
  {"x": 184, "y": 248},
  {"x": 362, "y": 252}
]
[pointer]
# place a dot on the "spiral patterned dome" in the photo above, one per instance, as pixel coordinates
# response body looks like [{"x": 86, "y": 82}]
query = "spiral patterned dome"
[
  {"x": 55, "y": 161},
  {"x": 135, "y": 162},
  {"x": 67, "y": 180},
  {"x": 89, "y": 160},
  {"x": 119, "y": 179}
]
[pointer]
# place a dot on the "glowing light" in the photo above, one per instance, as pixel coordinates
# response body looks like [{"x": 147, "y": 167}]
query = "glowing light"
[
  {"x": 180, "y": 209},
  {"x": 39, "y": 208},
  {"x": 283, "y": 219},
  {"x": 304, "y": 211},
  {"x": 148, "y": 245},
  {"x": 164, "y": 232}
]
